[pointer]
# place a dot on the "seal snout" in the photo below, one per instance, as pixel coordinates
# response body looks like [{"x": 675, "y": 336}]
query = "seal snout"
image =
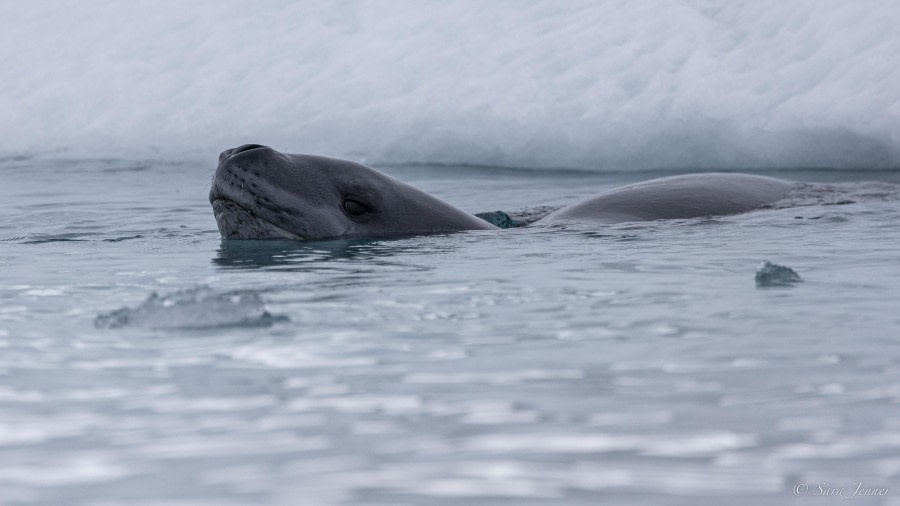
[{"x": 240, "y": 149}]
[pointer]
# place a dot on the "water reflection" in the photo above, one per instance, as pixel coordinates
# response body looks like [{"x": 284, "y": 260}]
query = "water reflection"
[{"x": 309, "y": 255}]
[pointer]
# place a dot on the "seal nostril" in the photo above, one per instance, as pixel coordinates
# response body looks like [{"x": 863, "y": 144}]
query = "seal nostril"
[{"x": 225, "y": 154}]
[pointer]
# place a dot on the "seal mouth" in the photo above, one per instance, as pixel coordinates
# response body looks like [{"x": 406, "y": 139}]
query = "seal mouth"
[{"x": 237, "y": 222}]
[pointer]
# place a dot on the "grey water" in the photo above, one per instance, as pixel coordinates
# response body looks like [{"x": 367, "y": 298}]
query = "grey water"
[{"x": 144, "y": 361}]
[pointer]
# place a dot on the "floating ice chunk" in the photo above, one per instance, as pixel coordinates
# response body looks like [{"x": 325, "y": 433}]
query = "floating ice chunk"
[
  {"x": 769, "y": 274},
  {"x": 193, "y": 308}
]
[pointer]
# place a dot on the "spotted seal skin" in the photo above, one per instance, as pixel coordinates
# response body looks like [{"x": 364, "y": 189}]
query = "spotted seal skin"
[{"x": 260, "y": 193}]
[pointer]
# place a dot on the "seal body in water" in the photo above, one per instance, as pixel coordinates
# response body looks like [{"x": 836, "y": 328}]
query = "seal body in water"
[
  {"x": 676, "y": 197},
  {"x": 260, "y": 193}
]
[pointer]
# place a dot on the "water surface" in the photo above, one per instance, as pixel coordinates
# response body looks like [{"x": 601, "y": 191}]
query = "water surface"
[{"x": 631, "y": 364}]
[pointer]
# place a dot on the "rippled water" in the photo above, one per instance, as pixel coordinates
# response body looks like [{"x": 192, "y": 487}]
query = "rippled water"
[{"x": 633, "y": 364}]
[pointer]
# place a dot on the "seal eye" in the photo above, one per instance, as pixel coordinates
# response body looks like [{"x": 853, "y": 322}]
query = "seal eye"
[{"x": 355, "y": 208}]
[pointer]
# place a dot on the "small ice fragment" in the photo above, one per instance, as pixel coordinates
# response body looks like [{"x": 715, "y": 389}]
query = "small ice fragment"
[
  {"x": 195, "y": 308},
  {"x": 769, "y": 274}
]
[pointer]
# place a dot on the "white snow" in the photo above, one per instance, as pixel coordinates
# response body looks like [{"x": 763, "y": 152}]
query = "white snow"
[{"x": 606, "y": 85}]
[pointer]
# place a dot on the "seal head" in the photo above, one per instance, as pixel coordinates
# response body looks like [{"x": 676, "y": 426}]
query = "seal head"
[{"x": 260, "y": 193}]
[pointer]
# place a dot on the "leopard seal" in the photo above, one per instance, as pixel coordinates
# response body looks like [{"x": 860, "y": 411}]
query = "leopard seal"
[{"x": 260, "y": 193}]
